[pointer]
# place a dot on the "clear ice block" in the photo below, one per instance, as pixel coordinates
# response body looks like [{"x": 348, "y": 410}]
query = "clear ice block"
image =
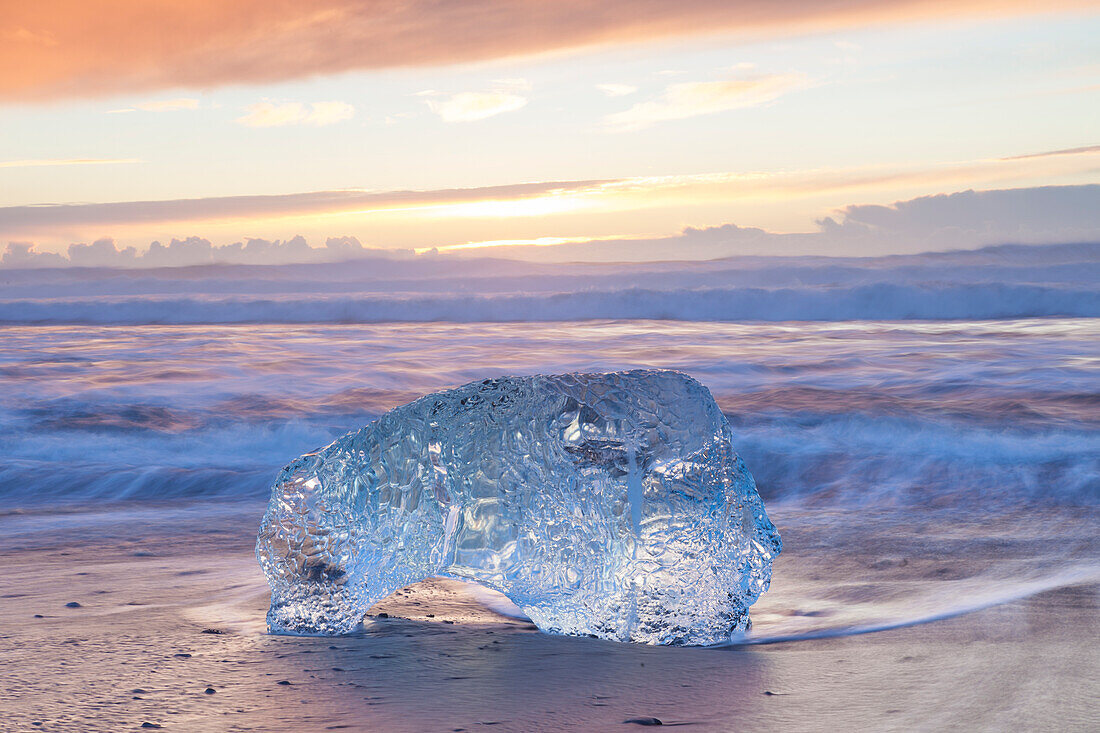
[{"x": 609, "y": 505}]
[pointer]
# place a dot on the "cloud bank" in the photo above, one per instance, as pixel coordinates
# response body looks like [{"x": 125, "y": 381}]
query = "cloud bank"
[
  {"x": 190, "y": 252},
  {"x": 965, "y": 220},
  {"x": 73, "y": 48}
]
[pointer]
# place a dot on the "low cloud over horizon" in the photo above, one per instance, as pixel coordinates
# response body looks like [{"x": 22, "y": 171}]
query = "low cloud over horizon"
[
  {"x": 963, "y": 220},
  {"x": 574, "y": 210}
]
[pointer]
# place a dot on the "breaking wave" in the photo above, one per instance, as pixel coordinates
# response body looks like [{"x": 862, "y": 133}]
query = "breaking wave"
[
  {"x": 881, "y": 301},
  {"x": 964, "y": 414}
]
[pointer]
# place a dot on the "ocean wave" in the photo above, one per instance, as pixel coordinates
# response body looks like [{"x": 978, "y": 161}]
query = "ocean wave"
[
  {"x": 36, "y": 483},
  {"x": 797, "y": 457},
  {"x": 859, "y": 460},
  {"x": 882, "y": 301},
  {"x": 961, "y": 415}
]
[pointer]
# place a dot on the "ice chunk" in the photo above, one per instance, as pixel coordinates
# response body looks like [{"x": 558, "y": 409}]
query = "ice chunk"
[{"x": 610, "y": 505}]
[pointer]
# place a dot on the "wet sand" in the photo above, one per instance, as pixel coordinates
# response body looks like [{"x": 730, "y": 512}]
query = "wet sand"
[{"x": 152, "y": 585}]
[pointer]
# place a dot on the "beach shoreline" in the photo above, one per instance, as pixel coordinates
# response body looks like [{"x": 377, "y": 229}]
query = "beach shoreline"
[{"x": 153, "y": 585}]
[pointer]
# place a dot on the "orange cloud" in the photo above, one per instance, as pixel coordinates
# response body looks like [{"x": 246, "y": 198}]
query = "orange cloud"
[{"x": 75, "y": 48}]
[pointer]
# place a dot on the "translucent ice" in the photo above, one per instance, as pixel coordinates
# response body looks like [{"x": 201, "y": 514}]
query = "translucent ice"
[{"x": 610, "y": 505}]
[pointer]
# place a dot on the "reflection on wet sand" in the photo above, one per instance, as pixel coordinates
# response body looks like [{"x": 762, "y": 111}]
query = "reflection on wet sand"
[{"x": 153, "y": 586}]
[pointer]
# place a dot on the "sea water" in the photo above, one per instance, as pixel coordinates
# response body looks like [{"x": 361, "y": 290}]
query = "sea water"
[
  {"x": 965, "y": 414},
  {"x": 917, "y": 469}
]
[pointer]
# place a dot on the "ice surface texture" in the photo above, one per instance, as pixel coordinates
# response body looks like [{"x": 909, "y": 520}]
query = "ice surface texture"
[{"x": 610, "y": 505}]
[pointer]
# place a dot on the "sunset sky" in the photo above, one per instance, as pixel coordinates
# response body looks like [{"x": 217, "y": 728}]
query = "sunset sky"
[{"x": 458, "y": 124}]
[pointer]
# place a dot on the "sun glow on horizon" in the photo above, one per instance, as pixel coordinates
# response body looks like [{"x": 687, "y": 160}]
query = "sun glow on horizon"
[{"x": 537, "y": 242}]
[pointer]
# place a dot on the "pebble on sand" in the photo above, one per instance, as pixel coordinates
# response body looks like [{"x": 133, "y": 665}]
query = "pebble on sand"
[
  {"x": 72, "y": 604},
  {"x": 644, "y": 721}
]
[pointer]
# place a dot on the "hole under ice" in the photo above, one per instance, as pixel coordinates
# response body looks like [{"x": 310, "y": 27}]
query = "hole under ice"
[{"x": 610, "y": 505}]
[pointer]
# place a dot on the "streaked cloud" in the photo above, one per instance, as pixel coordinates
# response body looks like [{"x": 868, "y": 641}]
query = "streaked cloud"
[
  {"x": 1065, "y": 151},
  {"x": 44, "y": 162},
  {"x": 318, "y": 114},
  {"x": 692, "y": 99},
  {"x": 75, "y": 48},
  {"x": 24, "y": 218},
  {"x": 616, "y": 90}
]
